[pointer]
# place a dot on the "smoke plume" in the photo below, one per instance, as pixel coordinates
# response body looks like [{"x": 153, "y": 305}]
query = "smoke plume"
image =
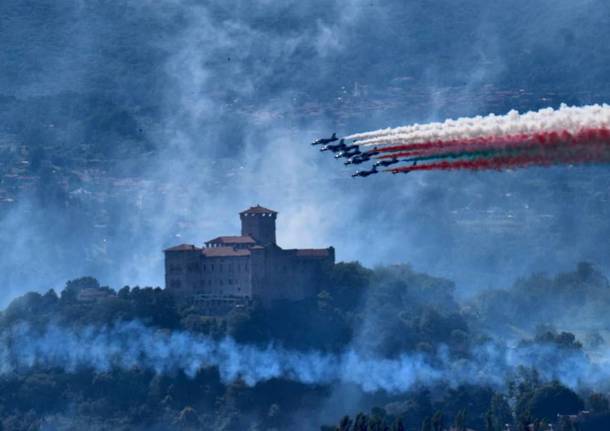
[{"x": 132, "y": 345}]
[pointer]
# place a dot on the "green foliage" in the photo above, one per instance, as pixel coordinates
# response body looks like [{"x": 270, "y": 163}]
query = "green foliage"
[
  {"x": 546, "y": 401},
  {"x": 426, "y": 425},
  {"x": 361, "y": 423},
  {"x": 438, "y": 421},
  {"x": 468, "y": 405},
  {"x": 345, "y": 424},
  {"x": 347, "y": 283},
  {"x": 391, "y": 310},
  {"x": 565, "y": 424},
  {"x": 398, "y": 425},
  {"x": 499, "y": 414},
  {"x": 598, "y": 403},
  {"x": 563, "y": 340},
  {"x": 460, "y": 421},
  {"x": 573, "y": 295}
]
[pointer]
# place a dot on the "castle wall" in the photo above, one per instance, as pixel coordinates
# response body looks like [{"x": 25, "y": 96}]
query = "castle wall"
[
  {"x": 226, "y": 276},
  {"x": 284, "y": 275},
  {"x": 182, "y": 271}
]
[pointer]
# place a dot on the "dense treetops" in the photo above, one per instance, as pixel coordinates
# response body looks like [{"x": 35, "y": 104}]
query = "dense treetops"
[{"x": 387, "y": 310}]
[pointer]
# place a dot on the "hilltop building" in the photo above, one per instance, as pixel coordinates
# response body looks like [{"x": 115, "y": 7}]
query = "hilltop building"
[{"x": 231, "y": 270}]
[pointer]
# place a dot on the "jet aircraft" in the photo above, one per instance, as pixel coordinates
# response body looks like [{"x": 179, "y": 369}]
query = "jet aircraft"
[
  {"x": 372, "y": 152},
  {"x": 357, "y": 159},
  {"x": 336, "y": 147},
  {"x": 386, "y": 162},
  {"x": 365, "y": 173},
  {"x": 348, "y": 152},
  {"x": 324, "y": 141}
]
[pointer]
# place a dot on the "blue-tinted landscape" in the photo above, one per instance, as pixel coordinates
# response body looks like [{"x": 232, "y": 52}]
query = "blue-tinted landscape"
[{"x": 127, "y": 127}]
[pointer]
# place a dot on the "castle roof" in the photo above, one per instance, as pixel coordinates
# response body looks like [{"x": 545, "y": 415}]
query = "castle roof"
[
  {"x": 225, "y": 252},
  {"x": 243, "y": 239},
  {"x": 183, "y": 247},
  {"x": 258, "y": 210}
]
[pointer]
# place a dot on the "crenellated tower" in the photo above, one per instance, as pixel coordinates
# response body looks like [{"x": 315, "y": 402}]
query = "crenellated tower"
[{"x": 259, "y": 223}]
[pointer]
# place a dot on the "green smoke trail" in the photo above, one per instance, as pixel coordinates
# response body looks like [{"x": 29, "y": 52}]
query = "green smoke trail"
[{"x": 468, "y": 154}]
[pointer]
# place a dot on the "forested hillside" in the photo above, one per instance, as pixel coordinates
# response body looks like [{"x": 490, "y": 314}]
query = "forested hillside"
[{"x": 383, "y": 313}]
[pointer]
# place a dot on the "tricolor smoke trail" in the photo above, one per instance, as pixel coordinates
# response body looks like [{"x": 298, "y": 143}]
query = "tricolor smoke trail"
[
  {"x": 132, "y": 345},
  {"x": 568, "y": 135},
  {"x": 571, "y": 119}
]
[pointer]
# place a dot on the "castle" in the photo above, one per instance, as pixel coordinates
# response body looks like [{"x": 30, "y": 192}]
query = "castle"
[{"x": 232, "y": 270}]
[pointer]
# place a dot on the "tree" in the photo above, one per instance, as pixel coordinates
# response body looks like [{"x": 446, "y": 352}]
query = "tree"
[
  {"x": 398, "y": 425},
  {"x": 460, "y": 421},
  {"x": 188, "y": 417},
  {"x": 72, "y": 288},
  {"x": 123, "y": 292},
  {"x": 563, "y": 340},
  {"x": 438, "y": 421},
  {"x": 499, "y": 413},
  {"x": 489, "y": 421},
  {"x": 598, "y": 403},
  {"x": 345, "y": 424},
  {"x": 274, "y": 415},
  {"x": 361, "y": 422},
  {"x": 553, "y": 399},
  {"x": 376, "y": 424},
  {"x": 565, "y": 424},
  {"x": 426, "y": 425},
  {"x": 524, "y": 423}
]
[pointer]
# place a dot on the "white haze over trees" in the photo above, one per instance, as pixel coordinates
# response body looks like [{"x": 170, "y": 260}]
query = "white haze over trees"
[{"x": 133, "y": 346}]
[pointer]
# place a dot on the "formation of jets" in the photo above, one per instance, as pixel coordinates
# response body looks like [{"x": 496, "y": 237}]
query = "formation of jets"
[
  {"x": 354, "y": 155},
  {"x": 350, "y": 152}
]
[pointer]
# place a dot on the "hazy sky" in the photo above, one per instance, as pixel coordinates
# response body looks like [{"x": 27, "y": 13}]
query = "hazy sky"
[{"x": 215, "y": 103}]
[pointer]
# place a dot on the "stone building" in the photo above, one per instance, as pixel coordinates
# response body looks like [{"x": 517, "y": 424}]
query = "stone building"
[{"x": 231, "y": 270}]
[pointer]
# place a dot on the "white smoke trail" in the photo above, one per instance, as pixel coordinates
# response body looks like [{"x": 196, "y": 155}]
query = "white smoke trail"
[
  {"x": 571, "y": 119},
  {"x": 135, "y": 346}
]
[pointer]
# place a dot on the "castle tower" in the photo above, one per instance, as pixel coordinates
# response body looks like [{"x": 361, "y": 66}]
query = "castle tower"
[{"x": 259, "y": 223}]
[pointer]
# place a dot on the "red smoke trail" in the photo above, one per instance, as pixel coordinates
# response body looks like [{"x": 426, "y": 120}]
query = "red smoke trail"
[
  {"x": 540, "y": 138},
  {"x": 598, "y": 152},
  {"x": 402, "y": 154},
  {"x": 511, "y": 142}
]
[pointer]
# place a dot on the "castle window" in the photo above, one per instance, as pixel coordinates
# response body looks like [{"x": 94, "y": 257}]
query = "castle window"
[
  {"x": 204, "y": 267},
  {"x": 230, "y": 268},
  {"x": 212, "y": 267},
  {"x": 220, "y": 267}
]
